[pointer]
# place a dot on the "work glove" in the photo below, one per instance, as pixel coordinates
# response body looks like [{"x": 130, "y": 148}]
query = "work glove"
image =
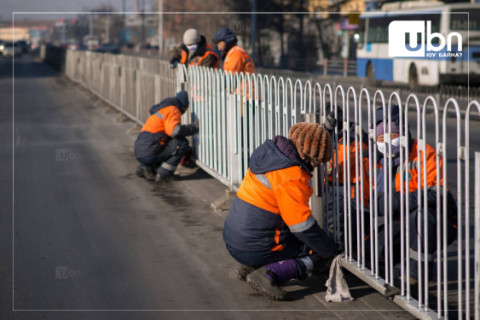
[
  {"x": 173, "y": 62},
  {"x": 330, "y": 122},
  {"x": 196, "y": 124}
]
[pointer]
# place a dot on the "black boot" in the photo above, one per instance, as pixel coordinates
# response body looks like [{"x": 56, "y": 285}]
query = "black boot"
[
  {"x": 146, "y": 172},
  {"x": 268, "y": 279},
  {"x": 242, "y": 271}
]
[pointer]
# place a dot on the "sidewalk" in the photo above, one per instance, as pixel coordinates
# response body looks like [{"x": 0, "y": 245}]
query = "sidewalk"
[
  {"x": 137, "y": 245},
  {"x": 204, "y": 236}
]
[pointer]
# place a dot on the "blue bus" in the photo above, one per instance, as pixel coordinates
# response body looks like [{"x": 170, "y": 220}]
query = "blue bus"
[{"x": 452, "y": 33}]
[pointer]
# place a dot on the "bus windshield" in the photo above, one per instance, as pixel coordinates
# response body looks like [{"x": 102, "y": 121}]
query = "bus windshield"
[
  {"x": 461, "y": 21},
  {"x": 378, "y": 26}
]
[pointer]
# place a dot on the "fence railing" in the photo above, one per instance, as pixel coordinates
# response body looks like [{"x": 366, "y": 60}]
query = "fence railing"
[{"x": 239, "y": 112}]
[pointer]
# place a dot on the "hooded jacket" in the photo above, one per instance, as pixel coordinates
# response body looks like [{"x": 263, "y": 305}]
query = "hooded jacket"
[
  {"x": 204, "y": 56},
  {"x": 414, "y": 167},
  {"x": 163, "y": 124},
  {"x": 238, "y": 60},
  {"x": 271, "y": 209}
]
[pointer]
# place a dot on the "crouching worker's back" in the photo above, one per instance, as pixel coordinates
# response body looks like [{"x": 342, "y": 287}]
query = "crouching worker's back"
[
  {"x": 270, "y": 229},
  {"x": 161, "y": 143}
]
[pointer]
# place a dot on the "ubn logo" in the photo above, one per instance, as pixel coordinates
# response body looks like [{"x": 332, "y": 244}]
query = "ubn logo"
[{"x": 414, "y": 46}]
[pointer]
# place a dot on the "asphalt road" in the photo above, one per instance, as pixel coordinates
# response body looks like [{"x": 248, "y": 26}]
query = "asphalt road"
[{"x": 83, "y": 238}]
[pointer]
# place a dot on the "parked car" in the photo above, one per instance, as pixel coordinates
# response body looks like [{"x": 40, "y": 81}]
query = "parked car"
[
  {"x": 108, "y": 48},
  {"x": 23, "y": 45},
  {"x": 12, "y": 49}
]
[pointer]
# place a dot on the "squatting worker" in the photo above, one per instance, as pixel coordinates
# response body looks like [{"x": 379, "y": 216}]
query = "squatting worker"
[
  {"x": 415, "y": 199},
  {"x": 194, "y": 51},
  {"x": 162, "y": 143},
  {"x": 270, "y": 224},
  {"x": 236, "y": 59}
]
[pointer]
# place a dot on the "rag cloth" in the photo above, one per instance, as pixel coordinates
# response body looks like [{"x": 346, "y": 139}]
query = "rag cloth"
[{"x": 337, "y": 288}]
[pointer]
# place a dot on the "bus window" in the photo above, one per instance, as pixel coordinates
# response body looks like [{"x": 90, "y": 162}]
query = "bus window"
[
  {"x": 378, "y": 30},
  {"x": 359, "y": 37},
  {"x": 461, "y": 21},
  {"x": 432, "y": 17}
]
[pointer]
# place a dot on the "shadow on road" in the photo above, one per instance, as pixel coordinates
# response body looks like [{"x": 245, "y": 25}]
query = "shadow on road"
[{"x": 26, "y": 67}]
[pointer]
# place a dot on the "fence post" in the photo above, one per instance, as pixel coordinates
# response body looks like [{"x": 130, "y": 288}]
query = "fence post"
[
  {"x": 233, "y": 151},
  {"x": 316, "y": 199},
  {"x": 477, "y": 236}
]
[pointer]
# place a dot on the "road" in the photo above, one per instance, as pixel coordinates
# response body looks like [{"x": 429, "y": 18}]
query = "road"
[{"x": 83, "y": 238}]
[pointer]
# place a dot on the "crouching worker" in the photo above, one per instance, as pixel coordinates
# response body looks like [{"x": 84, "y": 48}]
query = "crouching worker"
[
  {"x": 270, "y": 229},
  {"x": 161, "y": 143}
]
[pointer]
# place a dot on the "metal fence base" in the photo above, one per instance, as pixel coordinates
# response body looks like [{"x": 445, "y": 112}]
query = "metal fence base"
[
  {"x": 383, "y": 288},
  {"x": 224, "y": 202},
  {"x": 412, "y": 307}
]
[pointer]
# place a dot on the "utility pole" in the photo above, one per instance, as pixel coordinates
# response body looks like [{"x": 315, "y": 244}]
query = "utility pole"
[
  {"x": 90, "y": 24},
  {"x": 123, "y": 23},
  {"x": 160, "y": 27},
  {"x": 107, "y": 29},
  {"x": 143, "y": 24},
  {"x": 254, "y": 27}
]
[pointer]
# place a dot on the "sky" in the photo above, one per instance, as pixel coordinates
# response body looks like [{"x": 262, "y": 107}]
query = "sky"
[{"x": 7, "y": 7}]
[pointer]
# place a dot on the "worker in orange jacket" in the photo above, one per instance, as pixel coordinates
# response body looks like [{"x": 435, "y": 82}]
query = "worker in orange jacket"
[
  {"x": 415, "y": 199},
  {"x": 235, "y": 58},
  {"x": 270, "y": 229},
  {"x": 335, "y": 196},
  {"x": 195, "y": 51},
  {"x": 162, "y": 143}
]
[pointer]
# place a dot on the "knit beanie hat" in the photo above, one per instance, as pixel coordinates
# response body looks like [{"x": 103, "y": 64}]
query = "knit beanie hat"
[
  {"x": 312, "y": 141},
  {"x": 191, "y": 36},
  {"x": 182, "y": 97}
]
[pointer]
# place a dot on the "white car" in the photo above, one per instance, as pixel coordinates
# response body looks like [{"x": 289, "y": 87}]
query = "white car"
[{"x": 11, "y": 49}]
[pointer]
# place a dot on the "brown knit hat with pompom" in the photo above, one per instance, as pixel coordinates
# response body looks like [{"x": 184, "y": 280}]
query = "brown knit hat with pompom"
[{"x": 312, "y": 141}]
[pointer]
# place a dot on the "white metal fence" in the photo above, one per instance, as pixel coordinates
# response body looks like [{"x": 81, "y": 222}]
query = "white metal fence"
[{"x": 238, "y": 112}]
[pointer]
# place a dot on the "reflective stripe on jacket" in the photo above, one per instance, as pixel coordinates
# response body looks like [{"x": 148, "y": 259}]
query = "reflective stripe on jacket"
[{"x": 411, "y": 179}]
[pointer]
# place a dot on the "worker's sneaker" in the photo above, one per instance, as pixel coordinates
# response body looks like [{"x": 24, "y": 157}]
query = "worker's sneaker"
[
  {"x": 146, "y": 172},
  {"x": 262, "y": 280},
  {"x": 166, "y": 177},
  {"x": 242, "y": 271}
]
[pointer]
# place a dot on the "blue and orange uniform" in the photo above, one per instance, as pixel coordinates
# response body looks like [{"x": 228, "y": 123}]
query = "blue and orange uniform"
[
  {"x": 161, "y": 143},
  {"x": 270, "y": 219}
]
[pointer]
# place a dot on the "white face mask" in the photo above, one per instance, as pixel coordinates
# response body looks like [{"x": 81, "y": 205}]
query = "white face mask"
[
  {"x": 192, "y": 47},
  {"x": 383, "y": 148}
]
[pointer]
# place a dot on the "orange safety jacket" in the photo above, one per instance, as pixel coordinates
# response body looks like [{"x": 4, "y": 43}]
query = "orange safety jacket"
[
  {"x": 198, "y": 58},
  {"x": 411, "y": 179},
  {"x": 411, "y": 173},
  {"x": 163, "y": 124},
  {"x": 363, "y": 177},
  {"x": 271, "y": 208},
  {"x": 238, "y": 60}
]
